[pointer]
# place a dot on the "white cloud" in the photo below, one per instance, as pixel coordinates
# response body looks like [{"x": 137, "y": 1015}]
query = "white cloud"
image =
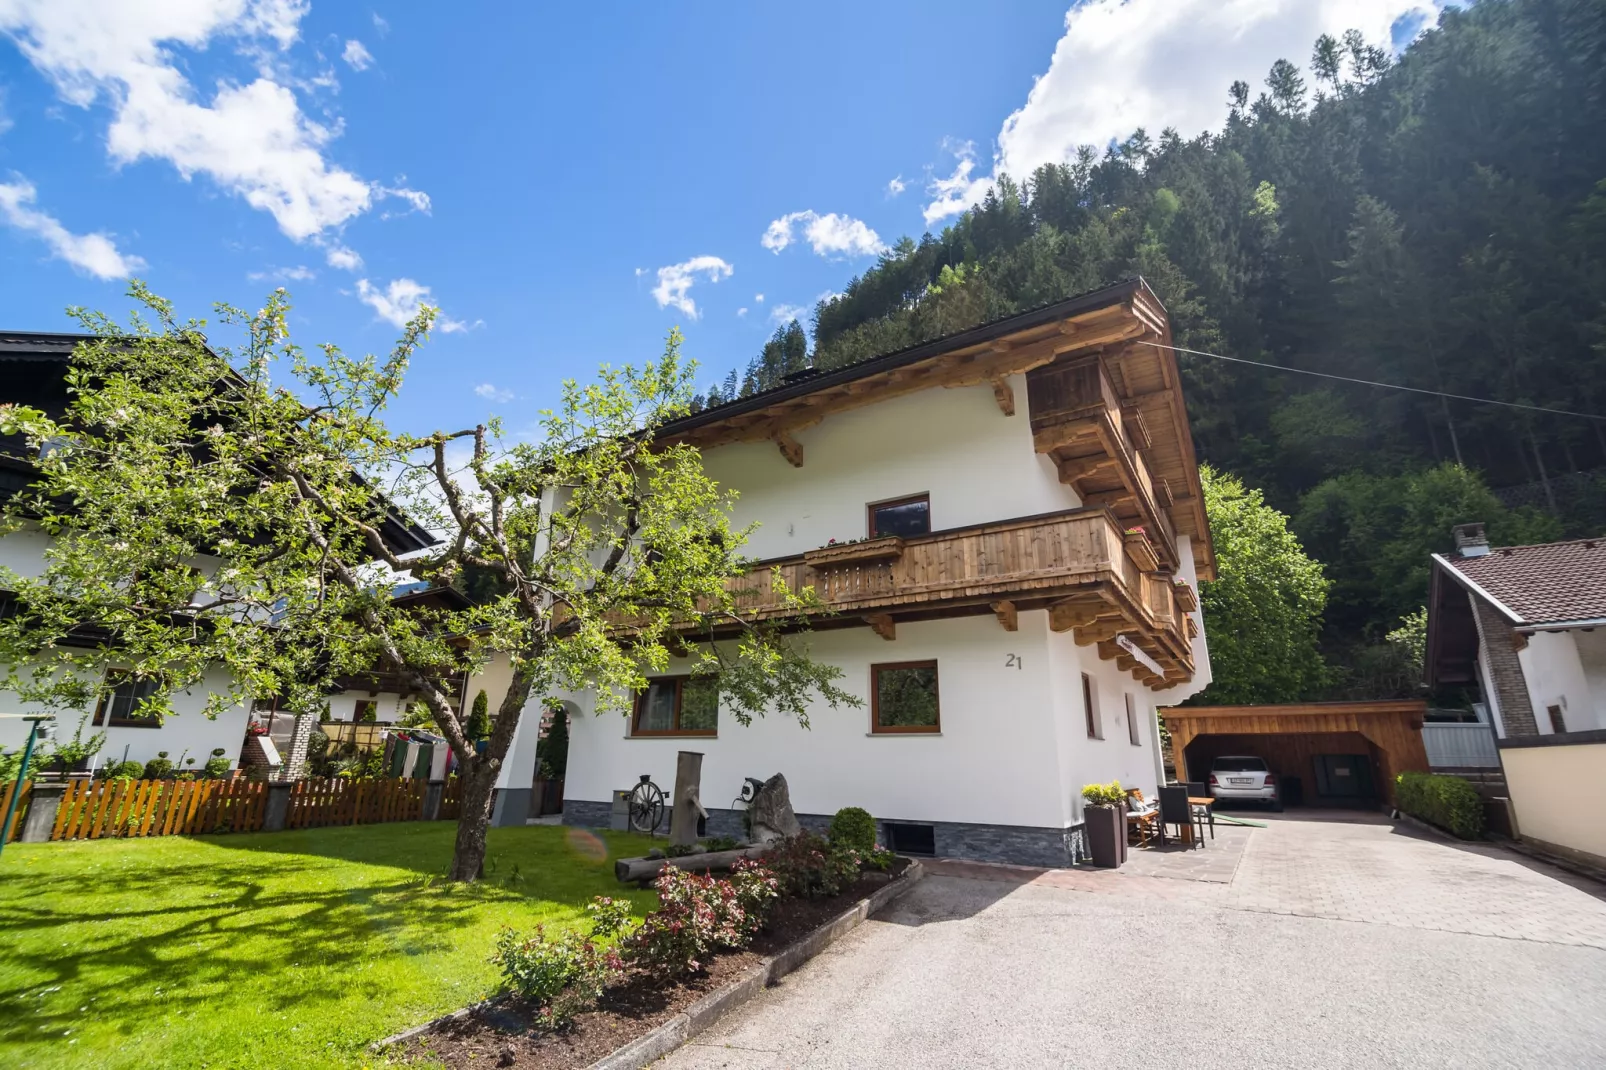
[
  {"x": 299, "y": 273},
  {"x": 94, "y": 254},
  {"x": 357, "y": 57},
  {"x": 758, "y": 299},
  {"x": 741, "y": 312},
  {"x": 338, "y": 256},
  {"x": 492, "y": 392},
  {"x": 675, "y": 281},
  {"x": 785, "y": 313},
  {"x": 1123, "y": 64},
  {"x": 5, "y": 120},
  {"x": 896, "y": 186},
  {"x": 400, "y": 301},
  {"x": 380, "y": 24},
  {"x": 251, "y": 139},
  {"x": 829, "y": 235}
]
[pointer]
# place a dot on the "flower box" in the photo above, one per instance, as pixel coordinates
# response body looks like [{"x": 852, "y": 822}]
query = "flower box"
[
  {"x": 1187, "y": 600},
  {"x": 870, "y": 551},
  {"x": 1140, "y": 549}
]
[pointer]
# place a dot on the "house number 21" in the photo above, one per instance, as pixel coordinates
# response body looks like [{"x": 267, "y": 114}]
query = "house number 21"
[{"x": 1013, "y": 661}]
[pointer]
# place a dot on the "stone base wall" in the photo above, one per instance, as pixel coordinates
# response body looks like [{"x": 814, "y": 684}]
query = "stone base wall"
[{"x": 1011, "y": 844}]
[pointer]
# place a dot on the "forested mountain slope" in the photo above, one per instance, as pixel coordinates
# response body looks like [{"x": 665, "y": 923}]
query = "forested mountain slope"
[{"x": 1438, "y": 221}]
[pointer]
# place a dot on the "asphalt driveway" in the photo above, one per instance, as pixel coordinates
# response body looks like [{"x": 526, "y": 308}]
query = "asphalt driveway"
[{"x": 1318, "y": 941}]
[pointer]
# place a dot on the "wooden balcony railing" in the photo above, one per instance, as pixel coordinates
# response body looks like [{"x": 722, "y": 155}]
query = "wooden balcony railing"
[
  {"x": 1098, "y": 443},
  {"x": 1074, "y": 563}
]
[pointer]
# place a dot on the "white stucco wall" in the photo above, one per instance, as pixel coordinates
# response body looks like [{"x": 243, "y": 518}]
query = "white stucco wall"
[
  {"x": 1013, "y": 749},
  {"x": 977, "y": 464},
  {"x": 187, "y": 729},
  {"x": 1592, "y": 659},
  {"x": 23, "y": 551},
  {"x": 1555, "y": 676}
]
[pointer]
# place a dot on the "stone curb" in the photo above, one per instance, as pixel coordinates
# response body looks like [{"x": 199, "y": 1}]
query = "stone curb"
[
  {"x": 1430, "y": 828},
  {"x": 645, "y": 1050},
  {"x": 708, "y": 1010}
]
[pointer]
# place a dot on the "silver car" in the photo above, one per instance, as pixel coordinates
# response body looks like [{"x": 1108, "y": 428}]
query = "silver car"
[{"x": 1243, "y": 778}]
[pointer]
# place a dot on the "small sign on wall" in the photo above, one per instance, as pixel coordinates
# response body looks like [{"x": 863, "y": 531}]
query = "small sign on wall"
[{"x": 269, "y": 751}]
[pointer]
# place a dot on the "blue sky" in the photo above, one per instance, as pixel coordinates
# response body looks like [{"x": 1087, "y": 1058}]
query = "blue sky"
[{"x": 568, "y": 185}]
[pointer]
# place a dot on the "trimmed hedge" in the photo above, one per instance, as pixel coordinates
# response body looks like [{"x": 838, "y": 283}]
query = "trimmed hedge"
[
  {"x": 1446, "y": 801},
  {"x": 853, "y": 827}
]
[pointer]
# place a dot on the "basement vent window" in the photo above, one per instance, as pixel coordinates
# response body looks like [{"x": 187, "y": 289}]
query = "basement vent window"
[{"x": 905, "y": 838}]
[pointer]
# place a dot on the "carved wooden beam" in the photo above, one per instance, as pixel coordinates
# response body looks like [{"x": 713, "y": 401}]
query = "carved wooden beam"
[
  {"x": 882, "y": 625},
  {"x": 791, "y": 449},
  {"x": 1102, "y": 632},
  {"x": 1005, "y": 395},
  {"x": 1067, "y": 615},
  {"x": 1007, "y": 616},
  {"x": 1107, "y": 497}
]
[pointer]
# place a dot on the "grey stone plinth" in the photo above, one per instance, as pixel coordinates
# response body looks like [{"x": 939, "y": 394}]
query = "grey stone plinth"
[
  {"x": 278, "y": 810},
  {"x": 512, "y": 807},
  {"x": 43, "y": 802}
]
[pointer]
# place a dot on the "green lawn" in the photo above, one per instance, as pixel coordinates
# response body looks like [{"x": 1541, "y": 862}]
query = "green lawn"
[{"x": 287, "y": 949}]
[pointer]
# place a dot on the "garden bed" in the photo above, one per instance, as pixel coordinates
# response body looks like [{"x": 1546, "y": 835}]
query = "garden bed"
[{"x": 503, "y": 1033}]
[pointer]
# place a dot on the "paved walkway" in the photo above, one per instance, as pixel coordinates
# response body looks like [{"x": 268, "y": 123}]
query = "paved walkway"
[{"x": 1335, "y": 941}]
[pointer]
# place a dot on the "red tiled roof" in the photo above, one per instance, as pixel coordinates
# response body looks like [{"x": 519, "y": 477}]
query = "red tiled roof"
[{"x": 1546, "y": 584}]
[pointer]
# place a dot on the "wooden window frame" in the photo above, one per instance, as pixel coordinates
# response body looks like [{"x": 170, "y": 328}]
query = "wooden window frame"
[
  {"x": 1090, "y": 708},
  {"x": 907, "y": 499},
  {"x": 103, "y": 718},
  {"x": 676, "y": 732},
  {"x": 1132, "y": 720},
  {"x": 876, "y": 727}
]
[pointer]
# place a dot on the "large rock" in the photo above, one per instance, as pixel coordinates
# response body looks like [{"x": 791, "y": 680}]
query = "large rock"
[{"x": 771, "y": 812}]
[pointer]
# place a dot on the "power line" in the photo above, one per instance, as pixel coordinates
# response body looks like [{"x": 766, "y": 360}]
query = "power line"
[{"x": 1369, "y": 382}]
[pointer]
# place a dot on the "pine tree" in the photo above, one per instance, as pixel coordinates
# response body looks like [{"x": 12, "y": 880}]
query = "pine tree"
[{"x": 479, "y": 719}]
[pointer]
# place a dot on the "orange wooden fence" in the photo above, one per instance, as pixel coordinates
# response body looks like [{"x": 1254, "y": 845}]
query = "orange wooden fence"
[
  {"x": 100, "y": 809},
  {"x": 96, "y": 809},
  {"x": 22, "y": 806}
]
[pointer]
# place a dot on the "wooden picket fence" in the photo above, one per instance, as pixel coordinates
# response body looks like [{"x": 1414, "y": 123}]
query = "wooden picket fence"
[
  {"x": 316, "y": 803},
  {"x": 101, "y": 809},
  {"x": 97, "y": 809},
  {"x": 6, "y": 790}
]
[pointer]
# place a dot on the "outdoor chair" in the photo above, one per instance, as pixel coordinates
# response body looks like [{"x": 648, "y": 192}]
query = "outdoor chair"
[
  {"x": 1176, "y": 810},
  {"x": 1144, "y": 817},
  {"x": 1199, "y": 790}
]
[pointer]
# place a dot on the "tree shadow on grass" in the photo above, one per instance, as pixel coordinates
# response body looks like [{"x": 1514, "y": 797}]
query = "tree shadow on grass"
[{"x": 138, "y": 932}]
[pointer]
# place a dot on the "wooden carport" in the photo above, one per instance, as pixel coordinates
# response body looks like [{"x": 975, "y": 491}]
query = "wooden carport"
[{"x": 1290, "y": 736}]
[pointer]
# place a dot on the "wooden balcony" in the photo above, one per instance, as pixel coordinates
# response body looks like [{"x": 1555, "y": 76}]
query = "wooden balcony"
[
  {"x": 1075, "y": 564},
  {"x": 1098, "y": 442}
]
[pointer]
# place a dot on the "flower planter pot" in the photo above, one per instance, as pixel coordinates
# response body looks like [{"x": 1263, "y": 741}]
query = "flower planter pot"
[
  {"x": 1141, "y": 550},
  {"x": 870, "y": 551},
  {"x": 1187, "y": 600},
  {"x": 1106, "y": 835}
]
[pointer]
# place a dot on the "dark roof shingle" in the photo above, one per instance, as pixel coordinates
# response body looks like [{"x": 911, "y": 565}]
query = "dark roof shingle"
[{"x": 1546, "y": 584}]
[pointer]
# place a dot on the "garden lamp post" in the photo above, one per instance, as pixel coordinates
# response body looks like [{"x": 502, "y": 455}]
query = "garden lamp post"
[{"x": 40, "y": 725}]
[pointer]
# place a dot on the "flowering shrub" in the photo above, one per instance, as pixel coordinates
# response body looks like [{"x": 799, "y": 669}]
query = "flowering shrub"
[
  {"x": 697, "y": 915},
  {"x": 876, "y": 858},
  {"x": 608, "y": 916},
  {"x": 559, "y": 978},
  {"x": 812, "y": 868}
]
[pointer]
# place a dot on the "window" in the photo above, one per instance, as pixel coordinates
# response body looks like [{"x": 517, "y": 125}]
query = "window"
[
  {"x": 1132, "y": 721},
  {"x": 365, "y": 711},
  {"x": 903, "y": 697},
  {"x": 1091, "y": 708},
  {"x": 1557, "y": 722},
  {"x": 120, "y": 708},
  {"x": 907, "y": 838},
  {"x": 905, "y": 516},
  {"x": 678, "y": 706}
]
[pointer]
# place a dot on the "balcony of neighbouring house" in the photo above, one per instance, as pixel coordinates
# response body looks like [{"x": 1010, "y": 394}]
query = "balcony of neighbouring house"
[{"x": 1077, "y": 564}]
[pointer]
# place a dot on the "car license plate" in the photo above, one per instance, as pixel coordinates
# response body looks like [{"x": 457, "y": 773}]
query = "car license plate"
[{"x": 1240, "y": 780}]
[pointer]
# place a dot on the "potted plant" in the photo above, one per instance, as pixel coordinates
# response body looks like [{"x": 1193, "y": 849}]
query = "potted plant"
[
  {"x": 73, "y": 755},
  {"x": 1104, "y": 817}
]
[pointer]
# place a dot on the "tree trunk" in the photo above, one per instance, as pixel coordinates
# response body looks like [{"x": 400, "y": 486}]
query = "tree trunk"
[
  {"x": 468, "y": 852},
  {"x": 479, "y": 782}
]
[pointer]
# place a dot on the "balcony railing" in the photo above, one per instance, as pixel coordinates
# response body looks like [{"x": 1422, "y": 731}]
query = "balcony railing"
[{"x": 1076, "y": 563}]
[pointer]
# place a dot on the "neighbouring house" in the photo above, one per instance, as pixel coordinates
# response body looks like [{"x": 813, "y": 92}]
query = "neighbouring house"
[
  {"x": 33, "y": 372},
  {"x": 1008, "y": 530},
  {"x": 1526, "y": 626}
]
